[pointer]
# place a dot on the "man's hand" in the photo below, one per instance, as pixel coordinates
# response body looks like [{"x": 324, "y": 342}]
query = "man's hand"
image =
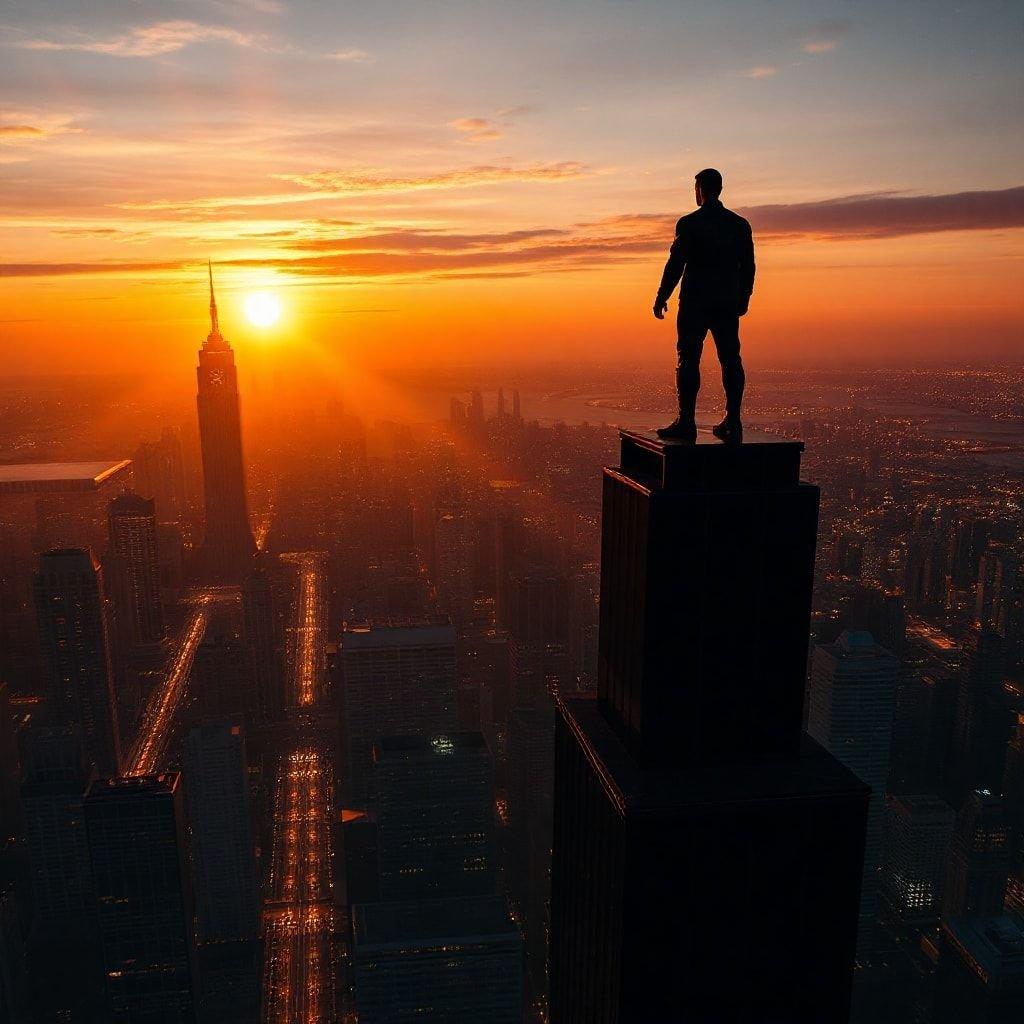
[{"x": 660, "y": 308}]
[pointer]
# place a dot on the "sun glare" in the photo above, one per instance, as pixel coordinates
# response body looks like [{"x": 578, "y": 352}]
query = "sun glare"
[{"x": 262, "y": 309}]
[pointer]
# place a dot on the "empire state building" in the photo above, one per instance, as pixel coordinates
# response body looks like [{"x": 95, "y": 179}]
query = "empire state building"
[{"x": 228, "y": 546}]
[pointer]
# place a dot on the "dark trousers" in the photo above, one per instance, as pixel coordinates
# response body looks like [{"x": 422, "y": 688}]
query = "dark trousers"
[{"x": 692, "y": 325}]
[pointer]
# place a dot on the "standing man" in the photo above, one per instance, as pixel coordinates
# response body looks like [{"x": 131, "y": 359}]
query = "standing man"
[{"x": 713, "y": 253}]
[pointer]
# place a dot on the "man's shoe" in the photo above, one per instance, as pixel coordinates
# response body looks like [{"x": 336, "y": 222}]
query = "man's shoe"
[
  {"x": 679, "y": 430},
  {"x": 729, "y": 430}
]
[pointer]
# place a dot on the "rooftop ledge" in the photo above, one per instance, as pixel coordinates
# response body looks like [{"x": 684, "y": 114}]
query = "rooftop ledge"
[{"x": 760, "y": 461}]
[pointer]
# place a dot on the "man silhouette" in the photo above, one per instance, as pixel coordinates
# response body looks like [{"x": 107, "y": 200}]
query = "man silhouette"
[{"x": 713, "y": 253}]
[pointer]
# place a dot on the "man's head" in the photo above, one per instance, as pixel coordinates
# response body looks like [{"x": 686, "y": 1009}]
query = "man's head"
[{"x": 707, "y": 185}]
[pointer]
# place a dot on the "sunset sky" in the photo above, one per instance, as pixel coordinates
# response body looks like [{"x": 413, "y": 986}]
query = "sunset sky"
[{"x": 474, "y": 182}]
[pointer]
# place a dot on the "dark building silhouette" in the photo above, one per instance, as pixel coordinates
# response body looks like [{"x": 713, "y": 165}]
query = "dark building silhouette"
[
  {"x": 435, "y": 814},
  {"x": 135, "y": 570},
  {"x": 228, "y": 545},
  {"x": 72, "y": 614},
  {"x": 265, "y": 607},
  {"x": 159, "y": 471},
  {"x": 1013, "y": 803},
  {"x": 850, "y": 713},
  {"x": 217, "y": 799},
  {"x": 696, "y": 828},
  {"x": 454, "y": 960},
  {"x": 136, "y": 833},
  {"x": 979, "y": 859},
  {"x": 919, "y": 832},
  {"x": 980, "y": 970},
  {"x": 398, "y": 679},
  {"x": 64, "y": 967}
]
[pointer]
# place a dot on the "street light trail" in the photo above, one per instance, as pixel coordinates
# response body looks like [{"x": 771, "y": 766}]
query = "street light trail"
[
  {"x": 158, "y": 719},
  {"x": 299, "y": 911}
]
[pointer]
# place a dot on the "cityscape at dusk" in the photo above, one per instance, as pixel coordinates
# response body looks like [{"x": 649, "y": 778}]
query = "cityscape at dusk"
[{"x": 376, "y": 647}]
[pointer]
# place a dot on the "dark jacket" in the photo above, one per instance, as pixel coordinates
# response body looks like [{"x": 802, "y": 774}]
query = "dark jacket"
[{"x": 713, "y": 252}]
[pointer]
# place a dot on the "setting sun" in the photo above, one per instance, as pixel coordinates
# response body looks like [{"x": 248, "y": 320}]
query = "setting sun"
[{"x": 262, "y": 309}]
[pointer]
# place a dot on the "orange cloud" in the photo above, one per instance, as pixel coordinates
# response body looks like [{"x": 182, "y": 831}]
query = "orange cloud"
[
  {"x": 332, "y": 184},
  {"x": 20, "y": 131},
  {"x": 477, "y": 129},
  {"x": 760, "y": 71},
  {"x": 149, "y": 40}
]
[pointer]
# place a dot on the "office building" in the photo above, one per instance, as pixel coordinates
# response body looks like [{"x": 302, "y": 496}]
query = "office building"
[
  {"x": 851, "y": 702},
  {"x": 695, "y": 828},
  {"x": 459, "y": 961},
  {"x": 72, "y": 616},
  {"x": 136, "y": 833},
  {"x": 223, "y": 862},
  {"x": 435, "y": 814},
  {"x": 266, "y": 603},
  {"x": 135, "y": 570},
  {"x": 398, "y": 679},
  {"x": 920, "y": 829}
]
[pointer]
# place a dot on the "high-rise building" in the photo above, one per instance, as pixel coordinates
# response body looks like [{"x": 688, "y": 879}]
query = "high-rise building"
[
  {"x": 223, "y": 861},
  {"x": 266, "y": 600},
  {"x": 71, "y": 608},
  {"x": 851, "y": 702},
  {"x": 136, "y": 836},
  {"x": 135, "y": 570},
  {"x": 980, "y": 971},
  {"x": 979, "y": 859},
  {"x": 228, "y": 545},
  {"x": 455, "y": 960},
  {"x": 435, "y": 814},
  {"x": 695, "y": 826},
  {"x": 984, "y": 718},
  {"x": 919, "y": 832},
  {"x": 399, "y": 679},
  {"x": 63, "y": 940},
  {"x": 1013, "y": 803},
  {"x": 159, "y": 471},
  {"x": 56, "y": 776}
]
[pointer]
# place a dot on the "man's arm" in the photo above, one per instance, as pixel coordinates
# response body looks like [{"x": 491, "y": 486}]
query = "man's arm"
[
  {"x": 746, "y": 267},
  {"x": 672, "y": 273}
]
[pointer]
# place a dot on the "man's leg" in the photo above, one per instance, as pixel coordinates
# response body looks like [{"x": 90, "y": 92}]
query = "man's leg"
[
  {"x": 691, "y": 330},
  {"x": 725, "y": 329}
]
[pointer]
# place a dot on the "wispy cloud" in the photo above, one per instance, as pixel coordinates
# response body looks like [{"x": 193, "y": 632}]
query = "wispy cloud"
[
  {"x": 20, "y": 131},
  {"x": 354, "y": 251},
  {"x": 825, "y": 36},
  {"x": 760, "y": 71},
  {"x": 891, "y": 215},
  {"x": 21, "y": 127},
  {"x": 333, "y": 184},
  {"x": 477, "y": 129},
  {"x": 149, "y": 40},
  {"x": 349, "y": 56}
]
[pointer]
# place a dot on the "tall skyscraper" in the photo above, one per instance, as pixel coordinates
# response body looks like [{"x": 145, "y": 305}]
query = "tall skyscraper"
[
  {"x": 63, "y": 940},
  {"x": 435, "y": 813},
  {"x": 399, "y": 679},
  {"x": 159, "y": 470},
  {"x": 460, "y": 961},
  {"x": 135, "y": 570},
  {"x": 136, "y": 835},
  {"x": 851, "y": 701},
  {"x": 224, "y": 866},
  {"x": 696, "y": 829},
  {"x": 265, "y": 604},
  {"x": 980, "y": 971},
  {"x": 228, "y": 545},
  {"x": 71, "y": 607},
  {"x": 920, "y": 829}
]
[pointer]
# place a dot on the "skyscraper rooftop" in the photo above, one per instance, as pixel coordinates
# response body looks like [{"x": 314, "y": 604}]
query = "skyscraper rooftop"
[{"x": 50, "y": 477}]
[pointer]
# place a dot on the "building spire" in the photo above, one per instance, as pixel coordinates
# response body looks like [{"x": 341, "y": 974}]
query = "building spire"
[{"x": 214, "y": 325}]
